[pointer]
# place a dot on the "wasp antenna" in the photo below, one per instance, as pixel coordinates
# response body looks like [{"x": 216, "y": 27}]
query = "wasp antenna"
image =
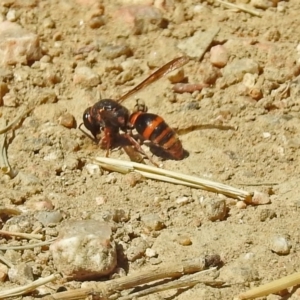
[{"x": 86, "y": 134}]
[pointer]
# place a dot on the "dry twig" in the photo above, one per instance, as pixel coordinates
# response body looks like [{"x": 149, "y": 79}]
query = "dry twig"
[
  {"x": 172, "y": 177},
  {"x": 271, "y": 287},
  {"x": 28, "y": 246},
  {"x": 28, "y": 236},
  {"x": 18, "y": 291},
  {"x": 109, "y": 289},
  {"x": 241, "y": 7}
]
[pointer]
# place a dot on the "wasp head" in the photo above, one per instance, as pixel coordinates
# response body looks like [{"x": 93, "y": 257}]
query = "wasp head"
[{"x": 90, "y": 123}]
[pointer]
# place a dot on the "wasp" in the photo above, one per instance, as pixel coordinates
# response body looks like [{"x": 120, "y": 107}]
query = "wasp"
[{"x": 109, "y": 116}]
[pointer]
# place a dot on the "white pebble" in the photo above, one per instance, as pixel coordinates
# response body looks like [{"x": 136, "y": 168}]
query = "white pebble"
[
  {"x": 92, "y": 169},
  {"x": 150, "y": 252},
  {"x": 280, "y": 245},
  {"x": 266, "y": 135},
  {"x": 11, "y": 15},
  {"x": 182, "y": 200}
]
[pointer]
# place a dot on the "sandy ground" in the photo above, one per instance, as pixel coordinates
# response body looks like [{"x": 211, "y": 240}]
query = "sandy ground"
[{"x": 261, "y": 155}]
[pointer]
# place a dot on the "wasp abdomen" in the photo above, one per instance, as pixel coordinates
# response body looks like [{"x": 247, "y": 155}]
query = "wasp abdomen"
[{"x": 153, "y": 127}]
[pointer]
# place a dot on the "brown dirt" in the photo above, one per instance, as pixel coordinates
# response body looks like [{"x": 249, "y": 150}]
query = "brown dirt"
[{"x": 262, "y": 154}]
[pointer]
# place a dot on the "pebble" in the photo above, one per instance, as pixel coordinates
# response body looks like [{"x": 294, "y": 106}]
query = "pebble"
[
  {"x": 214, "y": 209},
  {"x": 17, "y": 45},
  {"x": 21, "y": 274},
  {"x": 112, "y": 52},
  {"x": 84, "y": 250},
  {"x": 259, "y": 198},
  {"x": 150, "y": 252},
  {"x": 111, "y": 178},
  {"x": 96, "y": 22},
  {"x": 241, "y": 205},
  {"x": 100, "y": 200},
  {"x": 86, "y": 77},
  {"x": 264, "y": 4},
  {"x": 136, "y": 249},
  {"x": 48, "y": 23},
  {"x": 93, "y": 169},
  {"x": 176, "y": 76},
  {"x": 11, "y": 15},
  {"x": 219, "y": 56},
  {"x": 153, "y": 222},
  {"x": 133, "y": 178},
  {"x": 3, "y": 272},
  {"x": 235, "y": 71},
  {"x": 182, "y": 200},
  {"x": 279, "y": 75},
  {"x": 184, "y": 240},
  {"x": 197, "y": 44},
  {"x": 238, "y": 274},
  {"x": 67, "y": 120},
  {"x": 48, "y": 217},
  {"x": 280, "y": 245},
  {"x": 140, "y": 18},
  {"x": 45, "y": 204}
]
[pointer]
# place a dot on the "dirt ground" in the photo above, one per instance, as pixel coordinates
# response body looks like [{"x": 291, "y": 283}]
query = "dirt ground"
[{"x": 260, "y": 155}]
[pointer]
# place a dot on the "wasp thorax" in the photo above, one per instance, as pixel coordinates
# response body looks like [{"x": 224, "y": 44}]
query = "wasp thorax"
[{"x": 140, "y": 106}]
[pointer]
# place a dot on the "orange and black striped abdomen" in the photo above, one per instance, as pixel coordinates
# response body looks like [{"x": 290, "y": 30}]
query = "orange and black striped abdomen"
[{"x": 153, "y": 127}]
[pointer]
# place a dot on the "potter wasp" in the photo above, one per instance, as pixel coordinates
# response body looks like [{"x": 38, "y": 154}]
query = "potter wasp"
[{"x": 109, "y": 117}]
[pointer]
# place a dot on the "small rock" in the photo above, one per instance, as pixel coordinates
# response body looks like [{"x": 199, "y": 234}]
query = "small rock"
[
  {"x": 111, "y": 178},
  {"x": 241, "y": 205},
  {"x": 133, "y": 178},
  {"x": 67, "y": 120},
  {"x": 182, "y": 200},
  {"x": 136, "y": 249},
  {"x": 49, "y": 217},
  {"x": 112, "y": 52},
  {"x": 153, "y": 222},
  {"x": 45, "y": 204},
  {"x": 140, "y": 18},
  {"x": 17, "y": 45},
  {"x": 11, "y": 15},
  {"x": 184, "y": 240},
  {"x": 93, "y": 169},
  {"x": 259, "y": 198},
  {"x": 100, "y": 200},
  {"x": 3, "y": 272},
  {"x": 86, "y": 77},
  {"x": 176, "y": 76},
  {"x": 219, "y": 56},
  {"x": 196, "y": 45},
  {"x": 279, "y": 75},
  {"x": 238, "y": 274},
  {"x": 281, "y": 245},
  {"x": 120, "y": 215},
  {"x": 96, "y": 22},
  {"x": 21, "y": 274},
  {"x": 151, "y": 252},
  {"x": 236, "y": 70},
  {"x": 84, "y": 250},
  {"x": 10, "y": 99},
  {"x": 214, "y": 209},
  {"x": 208, "y": 73},
  {"x": 48, "y": 23},
  {"x": 264, "y": 4}
]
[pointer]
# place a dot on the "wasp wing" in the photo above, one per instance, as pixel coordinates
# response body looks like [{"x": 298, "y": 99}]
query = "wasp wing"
[{"x": 162, "y": 71}]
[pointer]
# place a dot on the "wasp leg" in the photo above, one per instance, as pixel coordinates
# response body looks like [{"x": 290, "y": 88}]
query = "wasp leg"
[{"x": 138, "y": 147}]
